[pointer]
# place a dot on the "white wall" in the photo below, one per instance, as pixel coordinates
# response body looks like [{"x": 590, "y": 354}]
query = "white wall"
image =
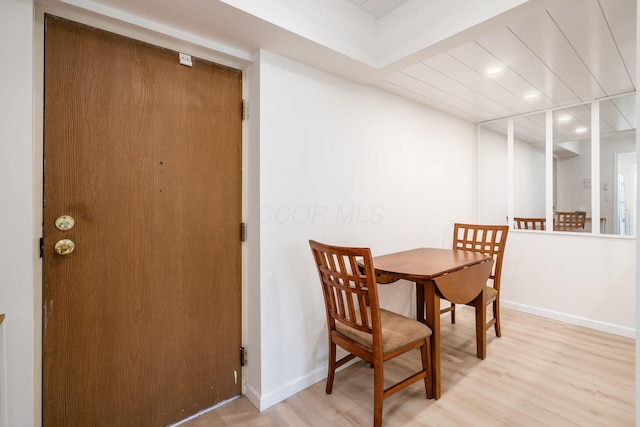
[
  {"x": 579, "y": 279},
  {"x": 348, "y": 165},
  {"x": 18, "y": 259}
]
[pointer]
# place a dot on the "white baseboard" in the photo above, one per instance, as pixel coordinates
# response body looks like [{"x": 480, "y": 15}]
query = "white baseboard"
[
  {"x": 265, "y": 401},
  {"x": 253, "y": 396},
  {"x": 290, "y": 389},
  {"x": 571, "y": 319}
]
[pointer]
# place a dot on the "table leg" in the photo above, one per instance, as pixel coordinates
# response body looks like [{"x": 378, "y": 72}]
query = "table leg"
[
  {"x": 433, "y": 322},
  {"x": 480, "y": 304},
  {"x": 420, "y": 317}
]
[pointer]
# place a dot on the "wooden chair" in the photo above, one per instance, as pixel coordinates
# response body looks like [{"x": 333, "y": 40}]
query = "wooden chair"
[
  {"x": 569, "y": 221},
  {"x": 530, "y": 223},
  {"x": 489, "y": 240},
  {"x": 358, "y": 324}
]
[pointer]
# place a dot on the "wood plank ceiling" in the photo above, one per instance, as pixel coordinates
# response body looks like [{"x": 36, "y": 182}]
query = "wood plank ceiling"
[{"x": 576, "y": 51}]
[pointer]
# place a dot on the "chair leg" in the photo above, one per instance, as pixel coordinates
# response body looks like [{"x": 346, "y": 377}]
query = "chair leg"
[
  {"x": 378, "y": 390},
  {"x": 425, "y": 351},
  {"x": 331, "y": 370},
  {"x": 496, "y": 315},
  {"x": 453, "y": 313}
]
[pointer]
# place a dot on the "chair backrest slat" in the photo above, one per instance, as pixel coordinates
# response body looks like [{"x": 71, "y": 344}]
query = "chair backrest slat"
[
  {"x": 530, "y": 223},
  {"x": 348, "y": 285},
  {"x": 489, "y": 240},
  {"x": 568, "y": 221}
]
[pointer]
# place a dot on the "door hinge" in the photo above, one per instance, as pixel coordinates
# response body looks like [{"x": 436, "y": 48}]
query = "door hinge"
[
  {"x": 243, "y": 232},
  {"x": 244, "y": 110},
  {"x": 41, "y": 247},
  {"x": 243, "y": 356}
]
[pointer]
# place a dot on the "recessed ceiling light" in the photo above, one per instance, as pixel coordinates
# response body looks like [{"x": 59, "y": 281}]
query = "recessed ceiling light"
[
  {"x": 564, "y": 118},
  {"x": 531, "y": 96},
  {"x": 581, "y": 129},
  {"x": 494, "y": 70}
]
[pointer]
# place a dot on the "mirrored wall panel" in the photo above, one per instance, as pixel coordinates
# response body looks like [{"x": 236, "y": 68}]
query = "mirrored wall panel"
[
  {"x": 572, "y": 168},
  {"x": 529, "y": 172},
  {"x": 563, "y": 195},
  {"x": 618, "y": 166},
  {"x": 492, "y": 173}
]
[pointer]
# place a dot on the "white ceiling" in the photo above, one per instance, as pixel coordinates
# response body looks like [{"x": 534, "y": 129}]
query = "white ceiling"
[
  {"x": 378, "y": 8},
  {"x": 434, "y": 52}
]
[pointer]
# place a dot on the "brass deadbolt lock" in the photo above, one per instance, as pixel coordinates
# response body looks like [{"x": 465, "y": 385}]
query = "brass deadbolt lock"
[{"x": 65, "y": 222}]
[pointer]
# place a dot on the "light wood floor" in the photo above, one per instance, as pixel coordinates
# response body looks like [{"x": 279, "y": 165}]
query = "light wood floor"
[{"x": 539, "y": 373}]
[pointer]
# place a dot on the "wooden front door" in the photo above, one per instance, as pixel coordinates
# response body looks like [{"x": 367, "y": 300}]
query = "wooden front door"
[{"x": 142, "y": 320}]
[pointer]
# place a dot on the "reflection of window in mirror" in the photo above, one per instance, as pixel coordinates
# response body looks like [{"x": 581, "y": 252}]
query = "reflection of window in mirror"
[
  {"x": 529, "y": 172},
  {"x": 618, "y": 166},
  {"x": 572, "y": 164}
]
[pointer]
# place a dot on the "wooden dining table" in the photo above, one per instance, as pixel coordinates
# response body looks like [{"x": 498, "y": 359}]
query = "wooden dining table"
[{"x": 424, "y": 266}]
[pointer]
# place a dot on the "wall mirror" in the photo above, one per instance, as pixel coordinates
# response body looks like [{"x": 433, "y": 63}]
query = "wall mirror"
[
  {"x": 559, "y": 169},
  {"x": 618, "y": 169},
  {"x": 529, "y": 204},
  {"x": 572, "y": 168}
]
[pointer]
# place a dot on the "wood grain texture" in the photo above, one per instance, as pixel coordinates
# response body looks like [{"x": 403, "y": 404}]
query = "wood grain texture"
[
  {"x": 541, "y": 373},
  {"x": 422, "y": 264},
  {"x": 357, "y": 324},
  {"x": 464, "y": 285},
  {"x": 142, "y": 321}
]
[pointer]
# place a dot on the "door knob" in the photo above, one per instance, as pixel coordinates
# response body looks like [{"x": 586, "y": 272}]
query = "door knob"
[{"x": 64, "y": 247}]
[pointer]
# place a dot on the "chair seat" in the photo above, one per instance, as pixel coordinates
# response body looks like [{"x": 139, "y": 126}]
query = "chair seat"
[
  {"x": 492, "y": 294},
  {"x": 397, "y": 330}
]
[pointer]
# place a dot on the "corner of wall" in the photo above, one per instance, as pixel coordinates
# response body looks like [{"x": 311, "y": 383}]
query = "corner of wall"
[{"x": 252, "y": 294}]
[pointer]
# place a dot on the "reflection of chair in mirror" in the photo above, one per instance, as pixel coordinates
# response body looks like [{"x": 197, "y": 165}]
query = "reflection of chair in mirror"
[
  {"x": 569, "y": 221},
  {"x": 358, "y": 324},
  {"x": 489, "y": 240},
  {"x": 530, "y": 223}
]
